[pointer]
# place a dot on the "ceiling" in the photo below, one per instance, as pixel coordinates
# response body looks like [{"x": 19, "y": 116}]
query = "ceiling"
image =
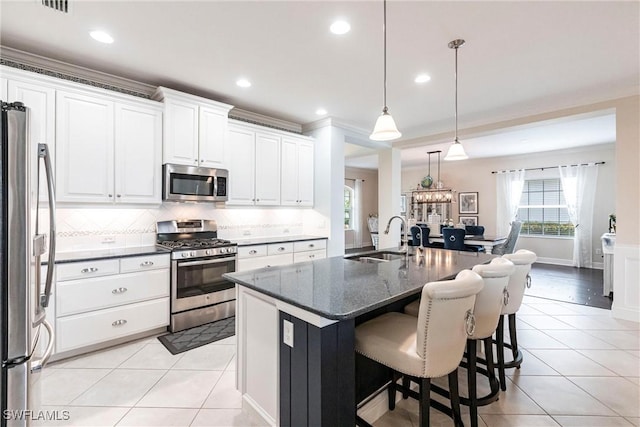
[{"x": 520, "y": 57}]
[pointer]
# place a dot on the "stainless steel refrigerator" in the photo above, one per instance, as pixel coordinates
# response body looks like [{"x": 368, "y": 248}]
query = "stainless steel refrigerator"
[{"x": 24, "y": 295}]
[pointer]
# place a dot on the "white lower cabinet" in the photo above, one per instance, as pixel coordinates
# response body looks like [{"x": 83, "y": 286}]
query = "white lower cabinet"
[
  {"x": 272, "y": 254},
  {"x": 99, "y": 301}
]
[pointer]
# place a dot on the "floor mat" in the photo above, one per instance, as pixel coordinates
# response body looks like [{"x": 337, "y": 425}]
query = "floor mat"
[{"x": 188, "y": 339}]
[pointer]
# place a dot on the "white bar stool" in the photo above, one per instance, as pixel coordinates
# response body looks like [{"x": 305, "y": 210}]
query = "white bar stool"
[{"x": 428, "y": 347}]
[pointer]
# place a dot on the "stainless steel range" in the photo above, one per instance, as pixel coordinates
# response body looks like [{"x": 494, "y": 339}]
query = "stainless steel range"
[{"x": 199, "y": 293}]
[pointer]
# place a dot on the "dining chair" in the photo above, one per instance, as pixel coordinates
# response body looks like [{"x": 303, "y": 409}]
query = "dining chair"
[
  {"x": 509, "y": 245},
  {"x": 454, "y": 238},
  {"x": 474, "y": 230},
  {"x": 428, "y": 346}
]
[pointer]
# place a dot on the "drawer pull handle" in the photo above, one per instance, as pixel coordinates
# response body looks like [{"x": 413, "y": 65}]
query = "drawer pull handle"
[
  {"x": 89, "y": 270},
  {"x": 253, "y": 252},
  {"x": 281, "y": 248},
  {"x": 119, "y": 322},
  {"x": 312, "y": 256},
  {"x": 146, "y": 264},
  {"x": 119, "y": 291},
  {"x": 312, "y": 245}
]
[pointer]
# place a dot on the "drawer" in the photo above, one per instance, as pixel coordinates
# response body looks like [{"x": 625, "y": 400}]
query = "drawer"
[
  {"x": 310, "y": 245},
  {"x": 252, "y": 251},
  {"x": 85, "y": 269},
  {"x": 265, "y": 261},
  {"x": 143, "y": 263},
  {"x": 103, "y": 325},
  {"x": 279, "y": 248},
  {"x": 309, "y": 255},
  {"x": 77, "y": 296}
]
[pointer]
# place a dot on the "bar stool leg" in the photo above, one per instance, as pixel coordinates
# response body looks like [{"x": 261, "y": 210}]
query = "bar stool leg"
[
  {"x": 455, "y": 398},
  {"x": 425, "y": 403},
  {"x": 514, "y": 338},
  {"x": 471, "y": 380},
  {"x": 491, "y": 369},
  {"x": 391, "y": 390},
  {"x": 406, "y": 383},
  {"x": 500, "y": 350}
]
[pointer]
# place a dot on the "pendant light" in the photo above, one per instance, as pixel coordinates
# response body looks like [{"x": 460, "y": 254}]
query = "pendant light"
[
  {"x": 385, "y": 128},
  {"x": 456, "y": 151}
]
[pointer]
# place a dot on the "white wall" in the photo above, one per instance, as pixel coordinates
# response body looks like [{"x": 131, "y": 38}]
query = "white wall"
[{"x": 475, "y": 175}]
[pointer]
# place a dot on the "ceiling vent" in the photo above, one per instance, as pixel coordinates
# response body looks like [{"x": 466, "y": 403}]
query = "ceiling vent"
[{"x": 59, "y": 5}]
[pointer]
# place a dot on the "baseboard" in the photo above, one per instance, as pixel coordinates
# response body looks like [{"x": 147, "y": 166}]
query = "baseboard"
[
  {"x": 376, "y": 407},
  {"x": 567, "y": 262},
  {"x": 249, "y": 404}
]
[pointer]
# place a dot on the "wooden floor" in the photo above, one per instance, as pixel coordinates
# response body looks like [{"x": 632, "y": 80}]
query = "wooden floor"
[
  {"x": 570, "y": 284},
  {"x": 561, "y": 283}
]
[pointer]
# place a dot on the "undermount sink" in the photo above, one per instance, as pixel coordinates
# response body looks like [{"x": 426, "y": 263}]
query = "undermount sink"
[{"x": 377, "y": 256}]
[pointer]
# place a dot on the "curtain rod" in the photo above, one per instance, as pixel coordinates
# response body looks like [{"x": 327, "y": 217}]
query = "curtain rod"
[
  {"x": 354, "y": 179},
  {"x": 549, "y": 167}
]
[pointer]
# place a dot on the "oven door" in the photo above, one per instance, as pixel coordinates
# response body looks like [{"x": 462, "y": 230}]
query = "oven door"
[{"x": 199, "y": 283}]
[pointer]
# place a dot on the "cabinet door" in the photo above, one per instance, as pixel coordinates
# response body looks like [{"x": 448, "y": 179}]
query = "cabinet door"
[
  {"x": 289, "y": 177},
  {"x": 84, "y": 148},
  {"x": 241, "y": 167},
  {"x": 267, "y": 169},
  {"x": 180, "y": 133},
  {"x": 305, "y": 173},
  {"x": 213, "y": 130},
  {"x": 138, "y": 162},
  {"x": 41, "y": 103}
]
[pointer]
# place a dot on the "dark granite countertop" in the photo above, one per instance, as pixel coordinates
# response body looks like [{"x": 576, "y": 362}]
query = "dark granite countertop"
[
  {"x": 338, "y": 288},
  {"x": 75, "y": 256},
  {"x": 274, "y": 239}
]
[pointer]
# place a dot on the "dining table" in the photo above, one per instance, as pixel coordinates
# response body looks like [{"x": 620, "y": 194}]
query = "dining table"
[{"x": 488, "y": 241}]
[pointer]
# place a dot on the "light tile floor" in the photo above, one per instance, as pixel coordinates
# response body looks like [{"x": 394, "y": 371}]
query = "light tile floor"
[{"x": 581, "y": 368}]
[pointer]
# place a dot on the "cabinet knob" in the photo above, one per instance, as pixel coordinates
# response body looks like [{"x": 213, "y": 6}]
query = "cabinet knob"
[
  {"x": 88, "y": 270},
  {"x": 312, "y": 256},
  {"x": 146, "y": 264},
  {"x": 195, "y": 161},
  {"x": 110, "y": 195},
  {"x": 281, "y": 248},
  {"x": 119, "y": 322},
  {"x": 253, "y": 252},
  {"x": 257, "y": 200},
  {"x": 119, "y": 195}
]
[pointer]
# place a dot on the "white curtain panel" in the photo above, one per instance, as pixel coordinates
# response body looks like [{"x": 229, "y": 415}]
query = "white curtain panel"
[
  {"x": 509, "y": 186},
  {"x": 579, "y": 187},
  {"x": 357, "y": 212}
]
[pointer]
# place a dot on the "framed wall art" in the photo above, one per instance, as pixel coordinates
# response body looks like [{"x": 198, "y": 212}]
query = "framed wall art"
[
  {"x": 469, "y": 220},
  {"x": 468, "y": 203}
]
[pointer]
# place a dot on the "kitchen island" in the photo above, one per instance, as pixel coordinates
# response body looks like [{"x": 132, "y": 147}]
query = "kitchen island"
[{"x": 296, "y": 363}]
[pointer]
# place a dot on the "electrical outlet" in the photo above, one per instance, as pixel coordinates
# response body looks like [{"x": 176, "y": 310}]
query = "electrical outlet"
[
  {"x": 287, "y": 333},
  {"x": 108, "y": 239},
  {"x": 246, "y": 233},
  {"x": 598, "y": 251}
]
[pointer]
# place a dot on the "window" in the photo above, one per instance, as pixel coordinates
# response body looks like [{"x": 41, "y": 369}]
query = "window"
[
  {"x": 348, "y": 208},
  {"x": 543, "y": 209}
]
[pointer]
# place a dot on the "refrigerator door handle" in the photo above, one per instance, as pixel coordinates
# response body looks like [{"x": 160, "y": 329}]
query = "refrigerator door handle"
[
  {"x": 38, "y": 364},
  {"x": 43, "y": 152}
]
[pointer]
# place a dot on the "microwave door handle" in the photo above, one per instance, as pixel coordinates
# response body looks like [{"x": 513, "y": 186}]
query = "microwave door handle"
[
  {"x": 215, "y": 186},
  {"x": 43, "y": 152}
]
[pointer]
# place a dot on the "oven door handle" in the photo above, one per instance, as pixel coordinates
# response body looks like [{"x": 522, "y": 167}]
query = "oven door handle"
[{"x": 208, "y": 261}]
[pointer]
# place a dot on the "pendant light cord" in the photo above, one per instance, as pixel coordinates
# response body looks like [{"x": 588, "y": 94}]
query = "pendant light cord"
[
  {"x": 384, "y": 36},
  {"x": 456, "y": 97}
]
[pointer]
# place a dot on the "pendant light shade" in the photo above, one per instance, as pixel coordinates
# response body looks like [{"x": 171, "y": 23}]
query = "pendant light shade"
[
  {"x": 385, "y": 128},
  {"x": 456, "y": 150}
]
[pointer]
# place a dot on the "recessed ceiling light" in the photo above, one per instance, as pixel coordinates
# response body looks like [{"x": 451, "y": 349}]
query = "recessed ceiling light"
[
  {"x": 101, "y": 36},
  {"x": 321, "y": 111},
  {"x": 243, "y": 83},
  {"x": 340, "y": 27},
  {"x": 422, "y": 78}
]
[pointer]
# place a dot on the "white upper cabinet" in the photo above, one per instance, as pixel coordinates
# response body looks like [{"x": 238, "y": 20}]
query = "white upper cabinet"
[
  {"x": 195, "y": 129},
  {"x": 84, "y": 153},
  {"x": 297, "y": 172},
  {"x": 254, "y": 166},
  {"x": 138, "y": 154},
  {"x": 40, "y": 101},
  {"x": 242, "y": 173},
  {"x": 108, "y": 149}
]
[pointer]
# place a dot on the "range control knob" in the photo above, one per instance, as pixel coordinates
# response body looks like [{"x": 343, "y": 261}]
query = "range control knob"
[
  {"x": 208, "y": 252},
  {"x": 184, "y": 254},
  {"x": 223, "y": 250}
]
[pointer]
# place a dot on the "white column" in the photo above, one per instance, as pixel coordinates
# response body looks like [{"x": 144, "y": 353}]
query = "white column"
[
  {"x": 389, "y": 181},
  {"x": 329, "y": 183}
]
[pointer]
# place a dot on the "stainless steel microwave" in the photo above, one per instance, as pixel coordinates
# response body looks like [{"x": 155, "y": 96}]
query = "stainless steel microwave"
[{"x": 193, "y": 184}]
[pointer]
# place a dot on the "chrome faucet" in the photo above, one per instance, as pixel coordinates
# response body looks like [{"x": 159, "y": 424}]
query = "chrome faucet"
[{"x": 405, "y": 246}]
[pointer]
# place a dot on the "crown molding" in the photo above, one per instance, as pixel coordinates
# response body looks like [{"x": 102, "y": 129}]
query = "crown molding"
[
  {"x": 55, "y": 66},
  {"x": 260, "y": 119}
]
